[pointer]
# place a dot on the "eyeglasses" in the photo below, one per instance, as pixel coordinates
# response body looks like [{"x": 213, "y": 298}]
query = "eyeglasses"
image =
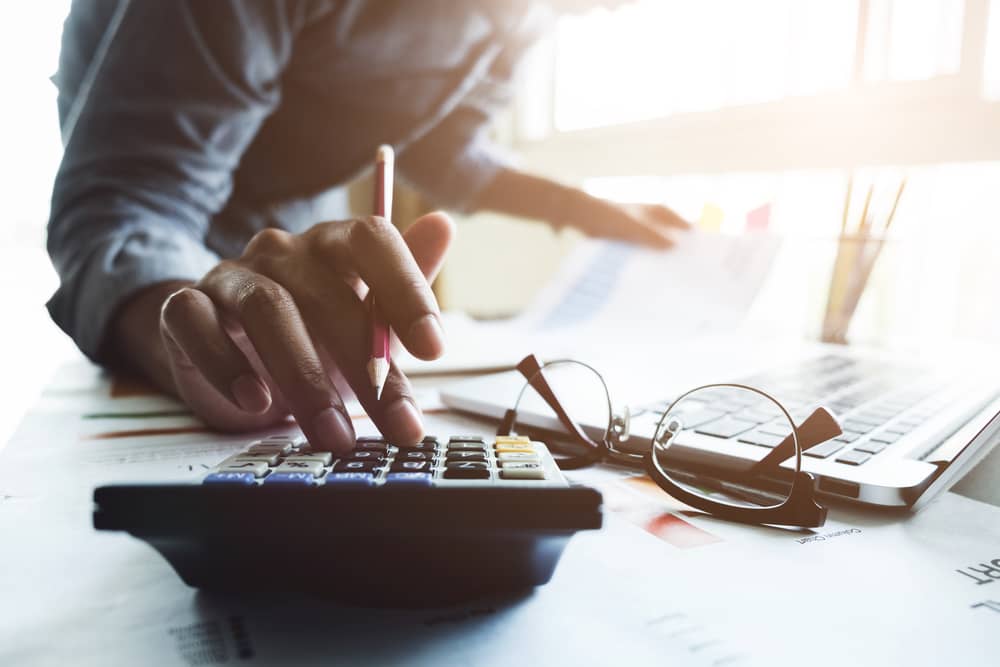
[{"x": 730, "y": 450}]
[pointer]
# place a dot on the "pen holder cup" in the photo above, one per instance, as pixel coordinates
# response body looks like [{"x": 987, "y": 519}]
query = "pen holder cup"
[{"x": 856, "y": 257}]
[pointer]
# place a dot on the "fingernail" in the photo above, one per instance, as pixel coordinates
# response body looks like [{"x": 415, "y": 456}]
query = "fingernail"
[
  {"x": 404, "y": 420},
  {"x": 428, "y": 336},
  {"x": 334, "y": 430},
  {"x": 251, "y": 394}
]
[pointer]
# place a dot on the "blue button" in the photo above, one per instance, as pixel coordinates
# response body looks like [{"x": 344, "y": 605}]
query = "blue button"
[
  {"x": 245, "y": 478},
  {"x": 306, "y": 478},
  {"x": 416, "y": 478},
  {"x": 350, "y": 478}
]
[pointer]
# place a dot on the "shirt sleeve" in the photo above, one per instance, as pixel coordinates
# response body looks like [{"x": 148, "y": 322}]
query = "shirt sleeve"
[
  {"x": 454, "y": 161},
  {"x": 180, "y": 93}
]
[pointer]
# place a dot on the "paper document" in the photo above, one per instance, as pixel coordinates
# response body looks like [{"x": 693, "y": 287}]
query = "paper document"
[{"x": 705, "y": 284}]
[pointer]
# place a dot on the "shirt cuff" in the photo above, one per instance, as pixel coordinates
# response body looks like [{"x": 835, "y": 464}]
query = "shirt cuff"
[{"x": 114, "y": 269}]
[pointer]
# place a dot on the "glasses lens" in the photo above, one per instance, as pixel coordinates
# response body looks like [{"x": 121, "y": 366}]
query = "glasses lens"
[
  {"x": 708, "y": 441},
  {"x": 580, "y": 391}
]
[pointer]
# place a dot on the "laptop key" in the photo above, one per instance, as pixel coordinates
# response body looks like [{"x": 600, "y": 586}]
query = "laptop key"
[
  {"x": 847, "y": 437},
  {"x": 887, "y": 437},
  {"x": 858, "y": 427},
  {"x": 853, "y": 457},
  {"x": 871, "y": 447},
  {"x": 761, "y": 439},
  {"x": 696, "y": 418},
  {"x": 824, "y": 449},
  {"x": 726, "y": 427}
]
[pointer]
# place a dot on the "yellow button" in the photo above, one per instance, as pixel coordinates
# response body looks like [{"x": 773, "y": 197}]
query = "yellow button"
[
  {"x": 512, "y": 439},
  {"x": 525, "y": 447}
]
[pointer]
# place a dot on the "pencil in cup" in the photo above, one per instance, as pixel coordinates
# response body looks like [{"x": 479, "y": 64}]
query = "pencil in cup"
[
  {"x": 379, "y": 359},
  {"x": 856, "y": 258}
]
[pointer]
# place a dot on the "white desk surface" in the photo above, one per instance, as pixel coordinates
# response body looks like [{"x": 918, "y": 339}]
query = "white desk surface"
[{"x": 868, "y": 588}]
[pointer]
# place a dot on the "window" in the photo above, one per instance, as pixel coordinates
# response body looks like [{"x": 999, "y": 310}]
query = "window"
[{"x": 741, "y": 104}]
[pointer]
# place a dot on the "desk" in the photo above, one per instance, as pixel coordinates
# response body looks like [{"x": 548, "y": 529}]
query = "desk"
[{"x": 869, "y": 588}]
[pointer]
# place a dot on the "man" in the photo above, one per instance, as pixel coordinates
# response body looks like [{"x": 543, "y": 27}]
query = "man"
[{"x": 188, "y": 224}]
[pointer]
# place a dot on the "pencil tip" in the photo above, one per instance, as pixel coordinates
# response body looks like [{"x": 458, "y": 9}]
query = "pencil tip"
[{"x": 378, "y": 392}]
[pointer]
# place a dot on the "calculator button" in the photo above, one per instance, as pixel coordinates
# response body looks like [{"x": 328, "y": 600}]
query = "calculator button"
[
  {"x": 466, "y": 456},
  {"x": 466, "y": 447},
  {"x": 322, "y": 457},
  {"x": 409, "y": 455},
  {"x": 418, "y": 447},
  {"x": 512, "y": 439},
  {"x": 245, "y": 478},
  {"x": 350, "y": 479},
  {"x": 520, "y": 470},
  {"x": 370, "y": 439},
  {"x": 515, "y": 447},
  {"x": 315, "y": 468},
  {"x": 272, "y": 447},
  {"x": 431, "y": 440},
  {"x": 414, "y": 478},
  {"x": 365, "y": 455},
  {"x": 379, "y": 447},
  {"x": 411, "y": 466},
  {"x": 305, "y": 478},
  {"x": 256, "y": 468},
  {"x": 354, "y": 466},
  {"x": 467, "y": 470},
  {"x": 270, "y": 458},
  {"x": 527, "y": 457},
  {"x": 466, "y": 438}
]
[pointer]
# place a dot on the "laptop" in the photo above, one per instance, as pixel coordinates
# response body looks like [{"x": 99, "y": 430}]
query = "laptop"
[{"x": 909, "y": 430}]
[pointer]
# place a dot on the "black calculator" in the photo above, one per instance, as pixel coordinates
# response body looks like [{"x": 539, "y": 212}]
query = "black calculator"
[{"x": 438, "y": 522}]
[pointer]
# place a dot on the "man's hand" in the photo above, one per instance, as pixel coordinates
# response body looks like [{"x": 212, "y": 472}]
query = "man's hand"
[
  {"x": 646, "y": 224},
  {"x": 277, "y": 330},
  {"x": 528, "y": 196}
]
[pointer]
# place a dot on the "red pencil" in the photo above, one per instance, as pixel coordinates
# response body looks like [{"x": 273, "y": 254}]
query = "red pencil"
[{"x": 378, "y": 364}]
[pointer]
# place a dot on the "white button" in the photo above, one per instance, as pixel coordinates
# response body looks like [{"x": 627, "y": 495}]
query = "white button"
[
  {"x": 315, "y": 467},
  {"x": 270, "y": 458},
  {"x": 524, "y": 457},
  {"x": 258, "y": 468},
  {"x": 522, "y": 470},
  {"x": 323, "y": 457}
]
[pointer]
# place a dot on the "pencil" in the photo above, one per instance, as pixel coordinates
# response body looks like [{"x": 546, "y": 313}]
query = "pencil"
[
  {"x": 378, "y": 363},
  {"x": 895, "y": 203}
]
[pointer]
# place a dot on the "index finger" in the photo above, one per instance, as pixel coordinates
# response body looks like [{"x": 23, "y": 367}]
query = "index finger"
[{"x": 375, "y": 250}]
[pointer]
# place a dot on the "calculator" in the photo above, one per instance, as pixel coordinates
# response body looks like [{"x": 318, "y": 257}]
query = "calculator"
[{"x": 439, "y": 522}]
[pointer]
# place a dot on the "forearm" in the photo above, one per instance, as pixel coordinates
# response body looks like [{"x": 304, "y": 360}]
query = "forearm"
[{"x": 525, "y": 195}]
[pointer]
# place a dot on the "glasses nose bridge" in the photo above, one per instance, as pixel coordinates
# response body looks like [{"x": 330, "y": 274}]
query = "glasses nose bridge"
[{"x": 621, "y": 423}]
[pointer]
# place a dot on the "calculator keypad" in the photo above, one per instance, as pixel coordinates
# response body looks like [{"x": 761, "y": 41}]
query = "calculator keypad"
[{"x": 464, "y": 460}]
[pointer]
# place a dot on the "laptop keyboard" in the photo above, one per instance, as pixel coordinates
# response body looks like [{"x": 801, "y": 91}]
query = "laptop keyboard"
[{"x": 876, "y": 403}]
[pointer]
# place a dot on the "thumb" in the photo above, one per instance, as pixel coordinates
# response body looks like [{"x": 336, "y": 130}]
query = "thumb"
[{"x": 429, "y": 239}]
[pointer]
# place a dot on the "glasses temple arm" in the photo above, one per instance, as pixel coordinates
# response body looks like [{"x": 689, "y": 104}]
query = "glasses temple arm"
[
  {"x": 531, "y": 369},
  {"x": 818, "y": 427}
]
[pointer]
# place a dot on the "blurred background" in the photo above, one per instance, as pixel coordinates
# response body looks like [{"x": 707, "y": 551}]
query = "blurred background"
[{"x": 717, "y": 108}]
